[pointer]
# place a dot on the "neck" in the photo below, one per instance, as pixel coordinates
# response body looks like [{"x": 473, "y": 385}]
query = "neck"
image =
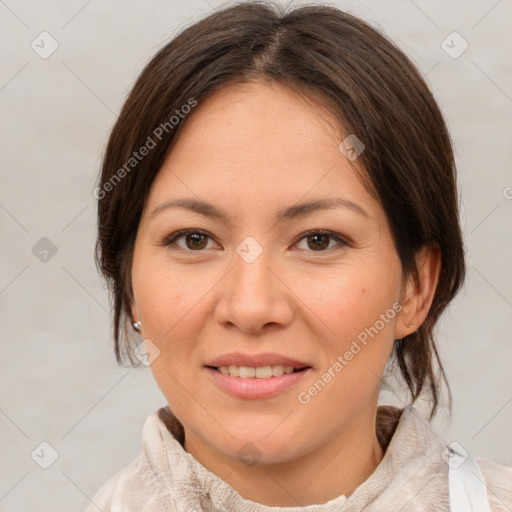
[{"x": 336, "y": 468}]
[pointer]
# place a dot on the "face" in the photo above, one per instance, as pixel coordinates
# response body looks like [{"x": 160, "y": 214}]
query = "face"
[{"x": 259, "y": 275}]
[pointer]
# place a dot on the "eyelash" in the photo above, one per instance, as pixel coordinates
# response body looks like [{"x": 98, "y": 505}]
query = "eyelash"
[{"x": 170, "y": 240}]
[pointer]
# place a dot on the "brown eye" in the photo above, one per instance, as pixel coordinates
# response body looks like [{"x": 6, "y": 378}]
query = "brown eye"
[
  {"x": 194, "y": 240},
  {"x": 320, "y": 241}
]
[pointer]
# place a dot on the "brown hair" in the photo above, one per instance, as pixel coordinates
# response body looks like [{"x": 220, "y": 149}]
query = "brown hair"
[{"x": 368, "y": 84}]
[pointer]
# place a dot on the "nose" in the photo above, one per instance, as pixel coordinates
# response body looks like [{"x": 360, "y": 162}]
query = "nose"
[{"x": 254, "y": 296}]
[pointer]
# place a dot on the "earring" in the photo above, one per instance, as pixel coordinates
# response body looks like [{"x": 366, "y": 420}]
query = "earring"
[
  {"x": 410, "y": 326},
  {"x": 137, "y": 325}
]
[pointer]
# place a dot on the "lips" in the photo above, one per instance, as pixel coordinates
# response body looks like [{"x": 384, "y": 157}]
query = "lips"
[
  {"x": 256, "y": 360},
  {"x": 256, "y": 388}
]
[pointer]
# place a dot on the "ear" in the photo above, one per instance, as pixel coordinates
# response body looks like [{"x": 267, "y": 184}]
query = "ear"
[
  {"x": 135, "y": 316},
  {"x": 419, "y": 294}
]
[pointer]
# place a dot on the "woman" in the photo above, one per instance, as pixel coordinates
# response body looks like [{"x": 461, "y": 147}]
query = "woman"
[{"x": 277, "y": 216}]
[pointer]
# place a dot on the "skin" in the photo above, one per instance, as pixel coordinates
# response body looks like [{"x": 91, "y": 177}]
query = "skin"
[{"x": 253, "y": 149}]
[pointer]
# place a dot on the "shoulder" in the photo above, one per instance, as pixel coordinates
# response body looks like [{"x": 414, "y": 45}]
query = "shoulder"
[
  {"x": 102, "y": 499},
  {"x": 132, "y": 484},
  {"x": 106, "y": 496},
  {"x": 498, "y": 480}
]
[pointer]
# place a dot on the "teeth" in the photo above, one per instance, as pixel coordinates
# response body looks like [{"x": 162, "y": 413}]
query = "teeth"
[
  {"x": 247, "y": 371},
  {"x": 260, "y": 372},
  {"x": 263, "y": 372},
  {"x": 277, "y": 370}
]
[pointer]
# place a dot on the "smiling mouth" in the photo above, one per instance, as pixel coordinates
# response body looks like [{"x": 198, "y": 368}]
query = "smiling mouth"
[{"x": 258, "y": 372}]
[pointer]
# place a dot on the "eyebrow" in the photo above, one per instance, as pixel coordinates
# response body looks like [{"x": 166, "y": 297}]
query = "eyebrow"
[{"x": 290, "y": 212}]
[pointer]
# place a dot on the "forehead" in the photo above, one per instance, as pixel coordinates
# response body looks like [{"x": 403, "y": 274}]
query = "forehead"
[
  {"x": 258, "y": 141},
  {"x": 260, "y": 119}
]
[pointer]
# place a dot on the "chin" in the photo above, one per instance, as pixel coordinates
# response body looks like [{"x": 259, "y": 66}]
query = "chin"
[
  {"x": 262, "y": 452},
  {"x": 263, "y": 444}
]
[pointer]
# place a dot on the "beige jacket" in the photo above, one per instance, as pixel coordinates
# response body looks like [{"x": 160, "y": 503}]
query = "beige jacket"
[{"x": 418, "y": 473}]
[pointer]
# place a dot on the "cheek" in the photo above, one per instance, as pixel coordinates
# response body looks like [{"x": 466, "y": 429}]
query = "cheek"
[
  {"x": 169, "y": 305},
  {"x": 357, "y": 315},
  {"x": 352, "y": 299},
  {"x": 165, "y": 298}
]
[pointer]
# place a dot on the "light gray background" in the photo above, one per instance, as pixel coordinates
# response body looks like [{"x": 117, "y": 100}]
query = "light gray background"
[{"x": 60, "y": 382}]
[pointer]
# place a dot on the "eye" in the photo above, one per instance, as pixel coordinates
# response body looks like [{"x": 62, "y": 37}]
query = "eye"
[
  {"x": 194, "y": 239},
  {"x": 319, "y": 240}
]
